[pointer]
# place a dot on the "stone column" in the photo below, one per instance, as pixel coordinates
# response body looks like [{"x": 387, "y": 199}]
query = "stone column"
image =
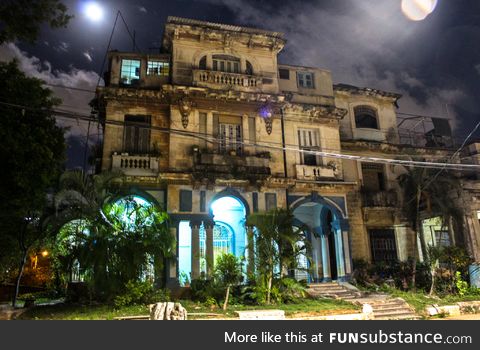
[
  {"x": 209, "y": 62},
  {"x": 327, "y": 277},
  {"x": 339, "y": 249},
  {"x": 209, "y": 250},
  {"x": 346, "y": 250},
  {"x": 195, "y": 251},
  {"x": 172, "y": 263}
]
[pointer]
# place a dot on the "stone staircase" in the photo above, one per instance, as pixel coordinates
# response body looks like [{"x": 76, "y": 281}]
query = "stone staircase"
[
  {"x": 384, "y": 307},
  {"x": 333, "y": 290}
]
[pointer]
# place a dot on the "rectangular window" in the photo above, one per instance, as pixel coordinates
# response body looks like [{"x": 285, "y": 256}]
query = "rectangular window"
[
  {"x": 137, "y": 132},
  {"x": 309, "y": 141},
  {"x": 270, "y": 201},
  {"x": 305, "y": 80},
  {"x": 383, "y": 246},
  {"x": 226, "y": 65},
  {"x": 185, "y": 201},
  {"x": 442, "y": 238},
  {"x": 230, "y": 138},
  {"x": 203, "y": 205},
  {"x": 158, "y": 68},
  {"x": 284, "y": 74},
  {"x": 202, "y": 120},
  {"x": 130, "y": 72},
  {"x": 373, "y": 177},
  {"x": 252, "y": 130},
  {"x": 255, "y": 202}
]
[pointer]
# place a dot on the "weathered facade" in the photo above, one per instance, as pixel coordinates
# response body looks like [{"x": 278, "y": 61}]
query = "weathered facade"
[{"x": 215, "y": 129}]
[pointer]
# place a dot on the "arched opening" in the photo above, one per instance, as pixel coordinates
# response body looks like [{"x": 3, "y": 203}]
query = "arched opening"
[
  {"x": 229, "y": 234},
  {"x": 366, "y": 118},
  {"x": 203, "y": 63},
  {"x": 332, "y": 245},
  {"x": 321, "y": 223}
]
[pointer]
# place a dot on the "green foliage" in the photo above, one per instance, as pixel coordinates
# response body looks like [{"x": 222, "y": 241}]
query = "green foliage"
[
  {"x": 140, "y": 293},
  {"x": 462, "y": 286},
  {"x": 204, "y": 290},
  {"x": 32, "y": 153},
  {"x": 228, "y": 269},
  {"x": 276, "y": 248},
  {"x": 22, "y": 19},
  {"x": 116, "y": 240},
  {"x": 291, "y": 290}
]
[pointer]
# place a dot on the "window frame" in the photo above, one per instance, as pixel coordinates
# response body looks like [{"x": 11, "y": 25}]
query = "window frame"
[
  {"x": 363, "y": 111},
  {"x": 124, "y": 68},
  {"x": 162, "y": 68},
  {"x": 314, "y": 144},
  {"x": 302, "y": 81}
]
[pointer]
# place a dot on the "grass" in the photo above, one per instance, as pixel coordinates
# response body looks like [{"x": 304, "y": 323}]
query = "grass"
[
  {"x": 421, "y": 300},
  {"x": 312, "y": 307}
]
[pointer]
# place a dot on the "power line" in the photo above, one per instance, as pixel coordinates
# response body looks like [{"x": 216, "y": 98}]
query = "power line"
[{"x": 269, "y": 145}]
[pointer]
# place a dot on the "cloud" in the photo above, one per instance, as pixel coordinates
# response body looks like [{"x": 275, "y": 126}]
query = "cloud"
[
  {"x": 364, "y": 43},
  {"x": 73, "y": 100},
  {"x": 62, "y": 47},
  {"x": 88, "y": 56},
  {"x": 142, "y": 9}
]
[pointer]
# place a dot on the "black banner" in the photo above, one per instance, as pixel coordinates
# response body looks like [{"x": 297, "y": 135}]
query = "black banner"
[{"x": 240, "y": 334}]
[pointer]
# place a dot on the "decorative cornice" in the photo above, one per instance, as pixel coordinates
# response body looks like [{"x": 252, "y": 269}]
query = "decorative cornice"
[
  {"x": 366, "y": 91},
  {"x": 317, "y": 113}
]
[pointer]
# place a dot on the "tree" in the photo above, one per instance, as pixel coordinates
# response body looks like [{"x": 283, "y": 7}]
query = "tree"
[
  {"x": 22, "y": 19},
  {"x": 32, "y": 153},
  {"x": 228, "y": 269},
  {"x": 426, "y": 192},
  {"x": 118, "y": 238},
  {"x": 276, "y": 246}
]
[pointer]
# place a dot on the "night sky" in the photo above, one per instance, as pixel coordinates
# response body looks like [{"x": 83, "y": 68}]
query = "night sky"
[{"x": 434, "y": 63}]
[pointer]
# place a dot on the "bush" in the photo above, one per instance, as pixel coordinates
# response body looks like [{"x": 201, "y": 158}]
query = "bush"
[
  {"x": 136, "y": 293},
  {"x": 291, "y": 290},
  {"x": 203, "y": 290}
]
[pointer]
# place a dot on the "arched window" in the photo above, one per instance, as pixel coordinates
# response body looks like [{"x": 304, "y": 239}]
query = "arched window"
[
  {"x": 249, "y": 69},
  {"x": 366, "y": 118},
  {"x": 203, "y": 63}
]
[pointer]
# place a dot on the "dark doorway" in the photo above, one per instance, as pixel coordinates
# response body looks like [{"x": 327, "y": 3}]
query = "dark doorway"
[{"x": 332, "y": 249}]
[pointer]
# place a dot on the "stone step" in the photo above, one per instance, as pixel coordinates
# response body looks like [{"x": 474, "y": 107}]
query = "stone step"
[
  {"x": 390, "y": 308},
  {"x": 383, "y": 313},
  {"x": 398, "y": 317}
]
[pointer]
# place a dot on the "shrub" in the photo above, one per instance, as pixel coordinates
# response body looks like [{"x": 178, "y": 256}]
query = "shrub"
[
  {"x": 202, "y": 290},
  {"x": 291, "y": 290},
  {"x": 140, "y": 293}
]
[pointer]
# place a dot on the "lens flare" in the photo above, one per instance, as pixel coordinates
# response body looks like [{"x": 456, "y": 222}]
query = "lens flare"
[{"x": 418, "y": 10}]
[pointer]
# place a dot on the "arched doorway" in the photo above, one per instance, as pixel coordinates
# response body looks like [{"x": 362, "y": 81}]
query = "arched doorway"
[
  {"x": 229, "y": 234},
  {"x": 327, "y": 234}
]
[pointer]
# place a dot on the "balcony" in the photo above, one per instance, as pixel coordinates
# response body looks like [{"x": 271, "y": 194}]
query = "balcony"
[
  {"x": 380, "y": 199},
  {"x": 231, "y": 165},
  {"x": 143, "y": 165},
  {"x": 316, "y": 173},
  {"x": 224, "y": 80}
]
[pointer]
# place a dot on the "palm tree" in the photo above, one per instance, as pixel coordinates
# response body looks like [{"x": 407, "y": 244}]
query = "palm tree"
[{"x": 276, "y": 247}]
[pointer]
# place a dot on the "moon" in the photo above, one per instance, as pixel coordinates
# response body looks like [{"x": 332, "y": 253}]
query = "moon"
[
  {"x": 418, "y": 10},
  {"x": 93, "y": 11}
]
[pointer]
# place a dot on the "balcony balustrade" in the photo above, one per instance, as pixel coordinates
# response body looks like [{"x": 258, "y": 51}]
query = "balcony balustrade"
[
  {"x": 216, "y": 79},
  {"x": 142, "y": 165},
  {"x": 380, "y": 199},
  {"x": 315, "y": 173}
]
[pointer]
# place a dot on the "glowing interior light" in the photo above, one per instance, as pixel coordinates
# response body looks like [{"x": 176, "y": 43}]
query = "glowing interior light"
[
  {"x": 418, "y": 10},
  {"x": 93, "y": 11}
]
